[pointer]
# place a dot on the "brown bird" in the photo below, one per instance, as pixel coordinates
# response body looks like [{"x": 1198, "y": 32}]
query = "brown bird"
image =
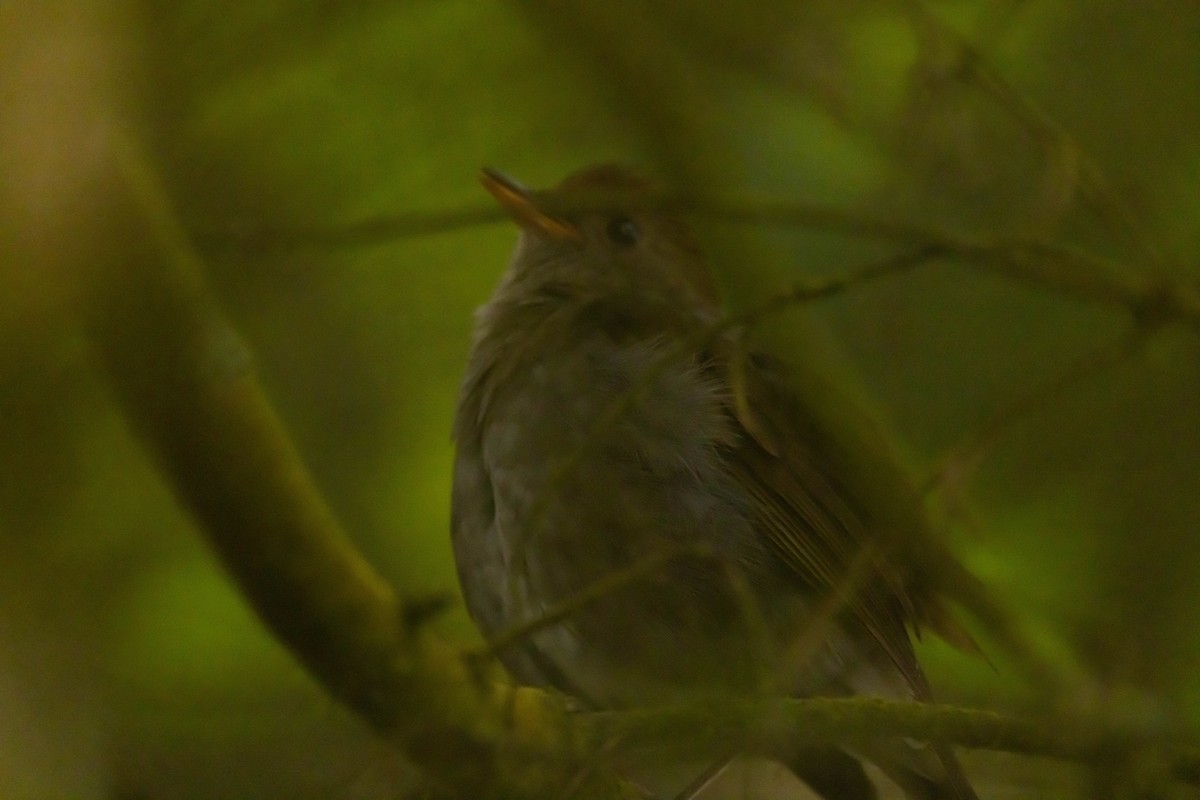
[{"x": 607, "y": 429}]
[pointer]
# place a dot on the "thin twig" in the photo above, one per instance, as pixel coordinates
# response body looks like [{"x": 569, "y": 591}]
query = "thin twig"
[
  {"x": 1097, "y": 189},
  {"x": 598, "y": 589},
  {"x": 1045, "y": 264}
]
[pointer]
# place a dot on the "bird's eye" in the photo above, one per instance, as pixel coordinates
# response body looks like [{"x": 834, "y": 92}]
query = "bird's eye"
[{"x": 623, "y": 231}]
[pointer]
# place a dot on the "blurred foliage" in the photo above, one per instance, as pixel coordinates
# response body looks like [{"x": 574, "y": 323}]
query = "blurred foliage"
[{"x": 129, "y": 668}]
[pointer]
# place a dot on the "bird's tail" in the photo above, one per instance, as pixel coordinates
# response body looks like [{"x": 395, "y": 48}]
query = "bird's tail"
[{"x": 923, "y": 772}]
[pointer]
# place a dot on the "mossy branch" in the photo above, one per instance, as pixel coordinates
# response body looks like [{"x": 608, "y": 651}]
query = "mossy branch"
[
  {"x": 846, "y": 720},
  {"x": 186, "y": 386}
]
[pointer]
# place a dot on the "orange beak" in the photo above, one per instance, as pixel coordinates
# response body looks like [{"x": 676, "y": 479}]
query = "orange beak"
[{"x": 520, "y": 204}]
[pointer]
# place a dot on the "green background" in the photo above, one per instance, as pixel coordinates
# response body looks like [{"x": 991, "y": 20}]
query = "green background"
[{"x": 129, "y": 666}]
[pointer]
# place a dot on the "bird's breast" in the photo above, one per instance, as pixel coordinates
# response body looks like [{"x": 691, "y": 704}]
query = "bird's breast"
[{"x": 608, "y": 458}]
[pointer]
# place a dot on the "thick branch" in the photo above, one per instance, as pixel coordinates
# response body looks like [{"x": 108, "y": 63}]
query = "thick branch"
[{"x": 185, "y": 384}]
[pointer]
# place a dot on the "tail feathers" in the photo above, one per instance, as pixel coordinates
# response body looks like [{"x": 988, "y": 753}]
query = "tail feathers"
[
  {"x": 831, "y": 773},
  {"x": 923, "y": 772}
]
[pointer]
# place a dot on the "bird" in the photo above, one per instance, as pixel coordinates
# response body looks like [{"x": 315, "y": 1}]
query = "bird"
[{"x": 610, "y": 428}]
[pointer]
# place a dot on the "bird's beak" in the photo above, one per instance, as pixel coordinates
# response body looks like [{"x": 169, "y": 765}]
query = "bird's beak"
[{"x": 522, "y": 206}]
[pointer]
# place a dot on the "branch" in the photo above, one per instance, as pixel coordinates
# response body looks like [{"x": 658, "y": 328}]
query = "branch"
[
  {"x": 184, "y": 383},
  {"x": 760, "y": 724},
  {"x": 1044, "y": 264},
  {"x": 1094, "y": 186}
]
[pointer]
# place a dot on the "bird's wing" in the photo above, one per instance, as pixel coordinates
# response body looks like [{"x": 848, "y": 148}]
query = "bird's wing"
[
  {"x": 836, "y": 509},
  {"x": 815, "y": 513}
]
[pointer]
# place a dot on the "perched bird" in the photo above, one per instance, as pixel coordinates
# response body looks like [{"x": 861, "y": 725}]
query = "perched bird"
[{"x": 608, "y": 429}]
